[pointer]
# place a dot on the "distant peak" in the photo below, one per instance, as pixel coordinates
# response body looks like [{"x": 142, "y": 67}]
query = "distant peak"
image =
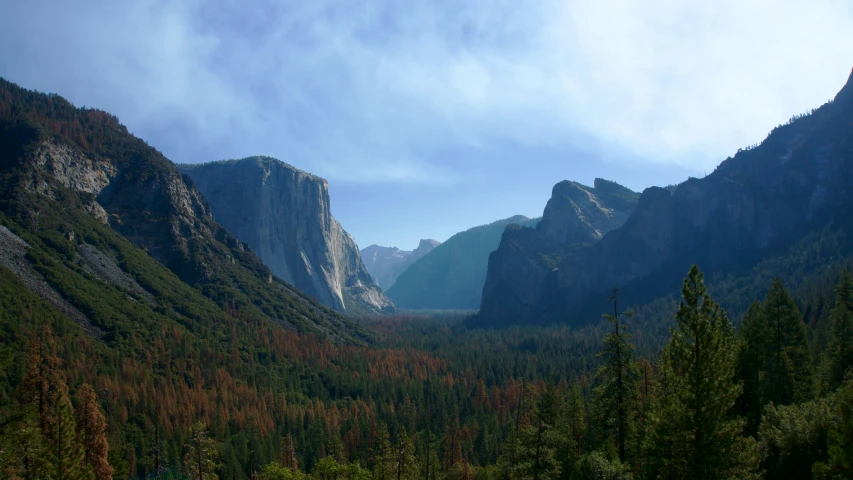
[
  {"x": 428, "y": 243},
  {"x": 846, "y": 92}
]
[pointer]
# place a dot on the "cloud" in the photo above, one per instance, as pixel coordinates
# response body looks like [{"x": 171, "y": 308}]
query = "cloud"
[{"x": 399, "y": 91}]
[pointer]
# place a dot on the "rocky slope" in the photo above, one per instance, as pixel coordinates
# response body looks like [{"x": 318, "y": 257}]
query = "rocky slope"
[
  {"x": 452, "y": 275},
  {"x": 386, "y": 264},
  {"x": 797, "y": 181},
  {"x": 101, "y": 214},
  {"x": 520, "y": 271},
  {"x": 284, "y": 215}
]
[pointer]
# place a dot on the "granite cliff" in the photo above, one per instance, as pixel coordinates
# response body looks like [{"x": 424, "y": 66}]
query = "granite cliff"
[
  {"x": 112, "y": 235},
  {"x": 283, "y": 214},
  {"x": 755, "y": 204},
  {"x": 386, "y": 264},
  {"x": 452, "y": 275},
  {"x": 522, "y": 268}
]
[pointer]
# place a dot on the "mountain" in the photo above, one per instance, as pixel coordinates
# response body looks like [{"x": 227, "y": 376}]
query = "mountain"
[
  {"x": 108, "y": 231},
  {"x": 385, "y": 264},
  {"x": 284, "y": 215},
  {"x": 754, "y": 206},
  {"x": 452, "y": 275}
]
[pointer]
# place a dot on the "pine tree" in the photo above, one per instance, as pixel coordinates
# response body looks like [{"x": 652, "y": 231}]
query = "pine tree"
[
  {"x": 617, "y": 394},
  {"x": 575, "y": 422},
  {"x": 693, "y": 434},
  {"x": 385, "y": 467},
  {"x": 405, "y": 464},
  {"x": 91, "y": 429},
  {"x": 65, "y": 453},
  {"x": 841, "y": 347},
  {"x": 200, "y": 458},
  {"x": 787, "y": 371},
  {"x": 288, "y": 454},
  {"x": 752, "y": 365},
  {"x": 22, "y": 447}
]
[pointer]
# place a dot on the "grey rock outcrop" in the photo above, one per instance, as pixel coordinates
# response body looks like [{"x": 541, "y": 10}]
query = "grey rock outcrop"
[
  {"x": 452, "y": 275},
  {"x": 762, "y": 200},
  {"x": 386, "y": 264},
  {"x": 283, "y": 214},
  {"x": 522, "y": 270}
]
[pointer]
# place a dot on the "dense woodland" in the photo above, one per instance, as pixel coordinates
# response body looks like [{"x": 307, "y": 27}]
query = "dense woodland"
[
  {"x": 222, "y": 380},
  {"x": 438, "y": 400}
]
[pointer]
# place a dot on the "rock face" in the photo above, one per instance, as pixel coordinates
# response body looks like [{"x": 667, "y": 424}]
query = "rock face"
[
  {"x": 283, "y": 214},
  {"x": 795, "y": 182},
  {"x": 521, "y": 270},
  {"x": 452, "y": 275},
  {"x": 386, "y": 264},
  {"x": 100, "y": 207}
]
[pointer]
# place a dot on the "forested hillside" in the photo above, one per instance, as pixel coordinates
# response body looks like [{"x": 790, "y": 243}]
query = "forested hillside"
[{"x": 139, "y": 339}]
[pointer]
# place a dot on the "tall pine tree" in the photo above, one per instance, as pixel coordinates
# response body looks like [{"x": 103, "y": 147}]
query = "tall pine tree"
[
  {"x": 841, "y": 347},
  {"x": 616, "y": 396},
  {"x": 788, "y": 378},
  {"x": 91, "y": 429},
  {"x": 694, "y": 429}
]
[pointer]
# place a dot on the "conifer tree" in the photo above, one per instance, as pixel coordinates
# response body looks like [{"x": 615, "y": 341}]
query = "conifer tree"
[
  {"x": 841, "y": 347},
  {"x": 788, "y": 377},
  {"x": 575, "y": 421},
  {"x": 91, "y": 429},
  {"x": 752, "y": 365},
  {"x": 617, "y": 394},
  {"x": 405, "y": 464},
  {"x": 200, "y": 458},
  {"x": 694, "y": 435},
  {"x": 384, "y": 469},
  {"x": 288, "y": 454},
  {"x": 65, "y": 453}
]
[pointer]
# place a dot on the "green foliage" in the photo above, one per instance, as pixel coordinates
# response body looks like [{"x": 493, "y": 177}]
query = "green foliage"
[
  {"x": 596, "y": 466},
  {"x": 693, "y": 435},
  {"x": 787, "y": 360},
  {"x": 840, "y": 442},
  {"x": 841, "y": 347},
  {"x": 616, "y": 395},
  {"x": 794, "y": 437},
  {"x": 200, "y": 458}
]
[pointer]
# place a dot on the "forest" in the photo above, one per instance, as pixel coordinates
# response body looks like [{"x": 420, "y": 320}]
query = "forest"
[{"x": 434, "y": 399}]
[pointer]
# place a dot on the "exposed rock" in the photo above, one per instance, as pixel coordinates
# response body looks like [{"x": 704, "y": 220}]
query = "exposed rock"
[
  {"x": 451, "y": 276},
  {"x": 796, "y": 181},
  {"x": 386, "y": 264},
  {"x": 522, "y": 271},
  {"x": 283, "y": 214},
  {"x": 13, "y": 256}
]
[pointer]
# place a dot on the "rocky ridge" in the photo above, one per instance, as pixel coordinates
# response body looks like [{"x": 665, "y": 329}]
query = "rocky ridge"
[{"x": 283, "y": 214}]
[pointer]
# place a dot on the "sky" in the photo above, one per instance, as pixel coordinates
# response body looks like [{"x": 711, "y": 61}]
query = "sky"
[{"x": 428, "y": 117}]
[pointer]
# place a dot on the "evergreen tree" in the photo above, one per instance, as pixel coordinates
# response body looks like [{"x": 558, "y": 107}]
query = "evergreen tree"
[
  {"x": 574, "y": 422},
  {"x": 752, "y": 365},
  {"x": 288, "y": 454},
  {"x": 65, "y": 453},
  {"x": 840, "y": 464},
  {"x": 91, "y": 428},
  {"x": 405, "y": 464},
  {"x": 841, "y": 347},
  {"x": 200, "y": 458},
  {"x": 787, "y": 370},
  {"x": 698, "y": 393},
  {"x": 617, "y": 394},
  {"x": 384, "y": 468}
]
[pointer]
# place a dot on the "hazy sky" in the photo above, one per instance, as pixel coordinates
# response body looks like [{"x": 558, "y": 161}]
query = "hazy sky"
[{"x": 430, "y": 116}]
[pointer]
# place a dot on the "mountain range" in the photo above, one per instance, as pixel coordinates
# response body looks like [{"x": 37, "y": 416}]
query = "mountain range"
[
  {"x": 111, "y": 233},
  {"x": 451, "y": 276},
  {"x": 753, "y": 208},
  {"x": 386, "y": 264}
]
